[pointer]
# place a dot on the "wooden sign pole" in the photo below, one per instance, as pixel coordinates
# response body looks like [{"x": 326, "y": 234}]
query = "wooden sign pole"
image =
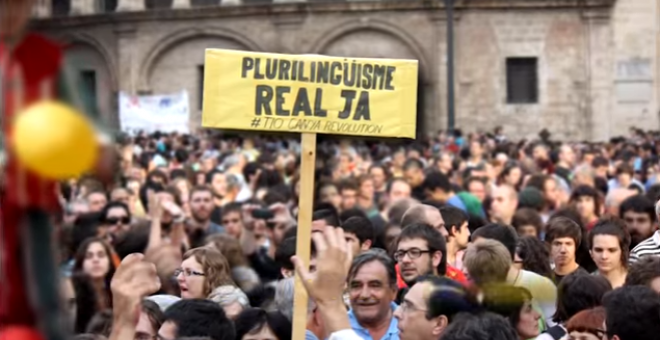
[
  {"x": 371, "y": 107},
  {"x": 304, "y": 233}
]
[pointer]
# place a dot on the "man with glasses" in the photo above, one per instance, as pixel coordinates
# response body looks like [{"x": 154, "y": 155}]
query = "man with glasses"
[
  {"x": 430, "y": 306},
  {"x": 420, "y": 250}
]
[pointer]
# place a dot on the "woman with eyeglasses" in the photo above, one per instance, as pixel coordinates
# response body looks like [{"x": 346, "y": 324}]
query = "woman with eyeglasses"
[
  {"x": 202, "y": 270},
  {"x": 587, "y": 325}
]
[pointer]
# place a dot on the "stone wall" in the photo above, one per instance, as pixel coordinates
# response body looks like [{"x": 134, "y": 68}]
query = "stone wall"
[
  {"x": 634, "y": 66},
  {"x": 587, "y": 54}
]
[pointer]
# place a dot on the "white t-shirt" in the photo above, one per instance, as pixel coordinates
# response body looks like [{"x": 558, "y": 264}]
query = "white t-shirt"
[{"x": 543, "y": 291}]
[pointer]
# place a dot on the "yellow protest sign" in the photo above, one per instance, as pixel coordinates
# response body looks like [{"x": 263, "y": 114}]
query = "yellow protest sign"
[{"x": 309, "y": 94}]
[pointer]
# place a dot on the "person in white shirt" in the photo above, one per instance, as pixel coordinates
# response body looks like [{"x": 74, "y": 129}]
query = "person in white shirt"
[{"x": 542, "y": 289}]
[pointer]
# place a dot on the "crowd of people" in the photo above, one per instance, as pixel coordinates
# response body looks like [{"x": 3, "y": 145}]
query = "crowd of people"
[{"x": 454, "y": 237}]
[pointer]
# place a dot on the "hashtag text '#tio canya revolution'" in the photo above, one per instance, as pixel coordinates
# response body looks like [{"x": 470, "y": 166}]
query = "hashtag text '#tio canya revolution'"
[{"x": 350, "y": 73}]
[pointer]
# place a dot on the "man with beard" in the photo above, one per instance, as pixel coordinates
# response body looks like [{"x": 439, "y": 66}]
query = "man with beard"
[
  {"x": 650, "y": 246},
  {"x": 201, "y": 206},
  {"x": 217, "y": 181},
  {"x": 547, "y": 185},
  {"x": 639, "y": 214},
  {"x": 420, "y": 250},
  {"x": 372, "y": 289}
]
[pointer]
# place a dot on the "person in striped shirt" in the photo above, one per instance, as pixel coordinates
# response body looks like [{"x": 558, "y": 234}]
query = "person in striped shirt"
[{"x": 648, "y": 247}]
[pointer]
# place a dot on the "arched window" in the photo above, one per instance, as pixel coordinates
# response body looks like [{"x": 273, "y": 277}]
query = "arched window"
[
  {"x": 203, "y": 3},
  {"x": 106, "y": 6},
  {"x": 158, "y": 4},
  {"x": 61, "y": 7}
]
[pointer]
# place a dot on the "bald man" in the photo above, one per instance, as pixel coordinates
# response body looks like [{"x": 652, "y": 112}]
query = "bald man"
[
  {"x": 424, "y": 213},
  {"x": 615, "y": 197},
  {"x": 505, "y": 202}
]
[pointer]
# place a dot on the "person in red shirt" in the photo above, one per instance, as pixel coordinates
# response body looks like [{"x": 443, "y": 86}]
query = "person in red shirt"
[
  {"x": 31, "y": 70},
  {"x": 421, "y": 250}
]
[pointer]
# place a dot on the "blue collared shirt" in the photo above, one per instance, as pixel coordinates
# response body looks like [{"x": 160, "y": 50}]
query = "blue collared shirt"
[{"x": 391, "y": 334}]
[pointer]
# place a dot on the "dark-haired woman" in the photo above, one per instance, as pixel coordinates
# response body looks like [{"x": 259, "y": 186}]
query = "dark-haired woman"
[
  {"x": 609, "y": 246},
  {"x": 95, "y": 260},
  {"x": 515, "y": 304}
]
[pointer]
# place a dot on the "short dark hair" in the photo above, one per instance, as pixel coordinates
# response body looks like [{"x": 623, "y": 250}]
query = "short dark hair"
[
  {"x": 448, "y": 297},
  {"x": 538, "y": 181},
  {"x": 361, "y": 227},
  {"x": 638, "y": 204},
  {"x": 433, "y": 238},
  {"x": 252, "y": 320},
  {"x": 453, "y": 217},
  {"x": 153, "y": 312},
  {"x": 579, "y": 291},
  {"x": 466, "y": 184},
  {"x": 412, "y": 163},
  {"x": 374, "y": 255},
  {"x": 499, "y": 232},
  {"x": 559, "y": 227},
  {"x": 232, "y": 207},
  {"x": 200, "y": 188},
  {"x": 348, "y": 184},
  {"x": 437, "y": 180},
  {"x": 613, "y": 227},
  {"x": 211, "y": 174},
  {"x": 101, "y": 323},
  {"x": 198, "y": 317},
  {"x": 330, "y": 216},
  {"x": 644, "y": 271},
  {"x": 588, "y": 191},
  {"x": 527, "y": 216},
  {"x": 286, "y": 250},
  {"x": 633, "y": 313},
  {"x": 482, "y": 326},
  {"x": 599, "y": 161},
  {"x": 349, "y": 213},
  {"x": 114, "y": 204}
]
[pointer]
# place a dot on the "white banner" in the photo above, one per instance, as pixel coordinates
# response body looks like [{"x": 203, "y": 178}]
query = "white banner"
[{"x": 167, "y": 113}]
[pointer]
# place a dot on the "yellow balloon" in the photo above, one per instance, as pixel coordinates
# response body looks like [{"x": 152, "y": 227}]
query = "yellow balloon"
[{"x": 54, "y": 140}]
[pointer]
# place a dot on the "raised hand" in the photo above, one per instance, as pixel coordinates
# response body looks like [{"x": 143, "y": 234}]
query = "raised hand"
[{"x": 333, "y": 258}]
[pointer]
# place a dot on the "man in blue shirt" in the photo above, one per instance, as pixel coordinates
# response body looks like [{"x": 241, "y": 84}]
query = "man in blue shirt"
[
  {"x": 372, "y": 289},
  {"x": 438, "y": 188}
]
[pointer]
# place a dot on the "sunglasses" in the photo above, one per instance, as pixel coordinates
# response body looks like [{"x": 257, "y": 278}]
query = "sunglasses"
[{"x": 117, "y": 220}]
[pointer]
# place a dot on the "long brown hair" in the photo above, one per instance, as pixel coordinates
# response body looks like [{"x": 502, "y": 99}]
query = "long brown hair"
[
  {"x": 229, "y": 247},
  {"x": 215, "y": 266}
]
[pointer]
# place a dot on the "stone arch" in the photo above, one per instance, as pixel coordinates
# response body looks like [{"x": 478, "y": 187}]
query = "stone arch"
[
  {"x": 346, "y": 29},
  {"x": 176, "y": 63},
  {"x": 352, "y": 39},
  {"x": 87, "y": 57},
  {"x": 92, "y": 42},
  {"x": 172, "y": 40}
]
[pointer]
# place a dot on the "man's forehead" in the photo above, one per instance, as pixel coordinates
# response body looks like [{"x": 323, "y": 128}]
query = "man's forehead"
[{"x": 407, "y": 243}]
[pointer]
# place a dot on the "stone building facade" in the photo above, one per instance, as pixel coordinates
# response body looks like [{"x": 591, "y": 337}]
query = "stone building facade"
[{"x": 583, "y": 69}]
